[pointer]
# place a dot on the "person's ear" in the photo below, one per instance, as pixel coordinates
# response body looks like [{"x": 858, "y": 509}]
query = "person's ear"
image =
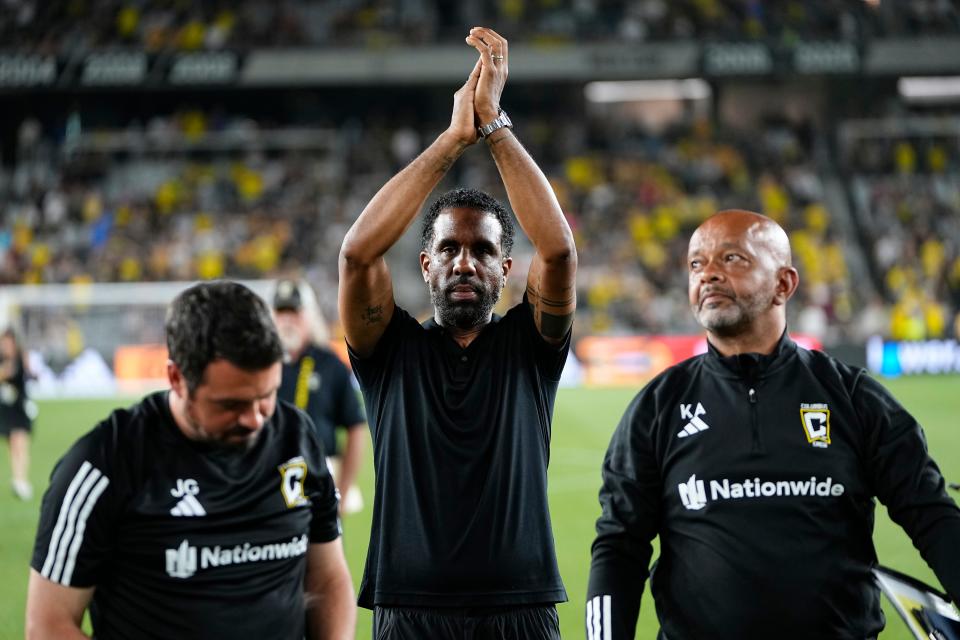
[
  {"x": 178, "y": 384},
  {"x": 425, "y": 266},
  {"x": 788, "y": 279}
]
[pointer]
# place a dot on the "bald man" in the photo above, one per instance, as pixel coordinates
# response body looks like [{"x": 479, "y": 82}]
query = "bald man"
[{"x": 757, "y": 464}]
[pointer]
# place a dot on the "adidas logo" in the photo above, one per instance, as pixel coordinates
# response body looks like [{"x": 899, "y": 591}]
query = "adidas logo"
[
  {"x": 189, "y": 506},
  {"x": 695, "y": 424}
]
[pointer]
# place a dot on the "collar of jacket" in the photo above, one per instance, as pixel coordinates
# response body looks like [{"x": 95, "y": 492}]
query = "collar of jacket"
[{"x": 751, "y": 366}]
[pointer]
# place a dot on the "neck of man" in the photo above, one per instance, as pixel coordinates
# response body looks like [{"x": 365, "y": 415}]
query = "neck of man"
[
  {"x": 295, "y": 354},
  {"x": 761, "y": 337},
  {"x": 178, "y": 409},
  {"x": 463, "y": 337}
]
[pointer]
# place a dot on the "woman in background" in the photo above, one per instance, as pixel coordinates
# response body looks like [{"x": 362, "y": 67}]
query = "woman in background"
[{"x": 15, "y": 422}]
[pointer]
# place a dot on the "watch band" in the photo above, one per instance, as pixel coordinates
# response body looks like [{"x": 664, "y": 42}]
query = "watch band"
[{"x": 501, "y": 121}]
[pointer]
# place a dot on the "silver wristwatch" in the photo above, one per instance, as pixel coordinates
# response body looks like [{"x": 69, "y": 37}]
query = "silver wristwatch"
[{"x": 501, "y": 121}]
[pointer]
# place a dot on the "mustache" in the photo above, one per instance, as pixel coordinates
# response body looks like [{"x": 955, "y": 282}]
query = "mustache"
[
  {"x": 464, "y": 281},
  {"x": 714, "y": 290}
]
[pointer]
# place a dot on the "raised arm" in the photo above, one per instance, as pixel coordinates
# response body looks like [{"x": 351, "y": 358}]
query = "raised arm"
[
  {"x": 551, "y": 281},
  {"x": 366, "y": 290}
]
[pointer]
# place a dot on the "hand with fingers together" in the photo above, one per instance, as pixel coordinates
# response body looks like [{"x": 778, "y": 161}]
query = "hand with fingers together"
[
  {"x": 463, "y": 119},
  {"x": 493, "y": 74}
]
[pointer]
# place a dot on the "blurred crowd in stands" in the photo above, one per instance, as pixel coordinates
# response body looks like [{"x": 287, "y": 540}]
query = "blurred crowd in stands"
[
  {"x": 190, "y": 196},
  {"x": 76, "y": 26},
  {"x": 906, "y": 192}
]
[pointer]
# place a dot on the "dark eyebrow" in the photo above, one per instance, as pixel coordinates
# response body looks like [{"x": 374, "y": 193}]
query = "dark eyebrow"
[{"x": 486, "y": 244}]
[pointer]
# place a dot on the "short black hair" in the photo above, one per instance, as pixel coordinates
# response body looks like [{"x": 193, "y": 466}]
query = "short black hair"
[
  {"x": 220, "y": 320},
  {"x": 469, "y": 199}
]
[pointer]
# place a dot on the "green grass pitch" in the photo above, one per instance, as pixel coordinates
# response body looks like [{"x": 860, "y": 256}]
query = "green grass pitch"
[{"x": 582, "y": 427}]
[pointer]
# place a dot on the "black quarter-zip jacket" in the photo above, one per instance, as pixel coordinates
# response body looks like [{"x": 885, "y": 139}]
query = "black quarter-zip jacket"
[{"x": 759, "y": 474}]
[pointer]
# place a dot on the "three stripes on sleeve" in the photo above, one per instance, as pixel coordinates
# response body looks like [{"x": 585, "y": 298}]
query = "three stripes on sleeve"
[
  {"x": 85, "y": 489},
  {"x": 599, "y": 624}
]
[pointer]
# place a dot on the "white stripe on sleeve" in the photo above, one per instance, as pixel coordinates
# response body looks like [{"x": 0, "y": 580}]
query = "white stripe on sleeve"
[
  {"x": 607, "y": 628},
  {"x": 590, "y": 620},
  {"x": 596, "y": 617},
  {"x": 62, "y": 517},
  {"x": 81, "y": 497},
  {"x": 82, "y": 525}
]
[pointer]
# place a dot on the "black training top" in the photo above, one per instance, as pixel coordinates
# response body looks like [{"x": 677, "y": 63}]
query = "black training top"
[
  {"x": 319, "y": 383},
  {"x": 182, "y": 540},
  {"x": 759, "y": 475},
  {"x": 13, "y": 391},
  {"x": 461, "y": 446}
]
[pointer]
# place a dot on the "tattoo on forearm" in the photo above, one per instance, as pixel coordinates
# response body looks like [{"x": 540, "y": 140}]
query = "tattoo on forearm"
[
  {"x": 373, "y": 315},
  {"x": 557, "y": 303},
  {"x": 445, "y": 164},
  {"x": 556, "y": 327},
  {"x": 548, "y": 302},
  {"x": 447, "y": 161}
]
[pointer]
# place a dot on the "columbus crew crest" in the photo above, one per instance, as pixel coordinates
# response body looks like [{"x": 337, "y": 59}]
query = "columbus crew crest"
[
  {"x": 816, "y": 424},
  {"x": 293, "y": 473}
]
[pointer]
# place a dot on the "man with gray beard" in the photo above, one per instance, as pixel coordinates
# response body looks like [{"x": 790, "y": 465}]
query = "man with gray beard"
[
  {"x": 757, "y": 464},
  {"x": 460, "y": 406}
]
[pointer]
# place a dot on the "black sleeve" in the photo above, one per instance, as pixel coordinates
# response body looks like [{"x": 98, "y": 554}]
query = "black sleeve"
[
  {"x": 630, "y": 501},
  {"x": 347, "y": 411},
  {"x": 550, "y": 358},
  {"x": 77, "y": 515},
  {"x": 369, "y": 369},
  {"x": 324, "y": 501},
  {"x": 908, "y": 481}
]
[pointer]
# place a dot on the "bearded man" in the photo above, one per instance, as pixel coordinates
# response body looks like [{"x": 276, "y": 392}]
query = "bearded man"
[
  {"x": 204, "y": 511},
  {"x": 460, "y": 406}
]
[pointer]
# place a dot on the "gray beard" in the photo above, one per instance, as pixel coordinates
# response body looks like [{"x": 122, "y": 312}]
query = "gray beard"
[
  {"x": 728, "y": 325},
  {"x": 733, "y": 320}
]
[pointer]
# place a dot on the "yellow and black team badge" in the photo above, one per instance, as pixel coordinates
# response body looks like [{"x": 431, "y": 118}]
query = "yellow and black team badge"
[
  {"x": 293, "y": 475},
  {"x": 816, "y": 423}
]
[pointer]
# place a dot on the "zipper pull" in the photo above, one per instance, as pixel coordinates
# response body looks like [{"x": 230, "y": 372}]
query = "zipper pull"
[{"x": 753, "y": 396}]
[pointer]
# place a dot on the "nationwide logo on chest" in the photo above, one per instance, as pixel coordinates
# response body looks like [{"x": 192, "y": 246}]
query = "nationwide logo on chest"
[
  {"x": 816, "y": 424},
  {"x": 695, "y": 496},
  {"x": 186, "y": 559}
]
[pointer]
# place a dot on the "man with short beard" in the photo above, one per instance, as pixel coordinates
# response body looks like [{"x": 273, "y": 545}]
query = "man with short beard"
[
  {"x": 757, "y": 465},
  {"x": 460, "y": 406},
  {"x": 205, "y": 511}
]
